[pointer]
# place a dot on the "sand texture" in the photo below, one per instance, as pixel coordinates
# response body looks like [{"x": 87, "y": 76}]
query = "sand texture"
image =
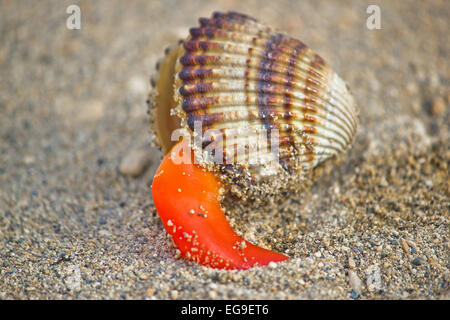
[{"x": 77, "y": 219}]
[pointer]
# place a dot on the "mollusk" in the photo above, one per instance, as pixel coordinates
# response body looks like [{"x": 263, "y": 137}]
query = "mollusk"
[{"x": 237, "y": 84}]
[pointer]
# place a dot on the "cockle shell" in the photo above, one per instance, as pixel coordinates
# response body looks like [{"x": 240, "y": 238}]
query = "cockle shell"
[{"x": 240, "y": 77}]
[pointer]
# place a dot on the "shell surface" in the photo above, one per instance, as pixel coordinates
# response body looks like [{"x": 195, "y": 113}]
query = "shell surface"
[{"x": 254, "y": 87}]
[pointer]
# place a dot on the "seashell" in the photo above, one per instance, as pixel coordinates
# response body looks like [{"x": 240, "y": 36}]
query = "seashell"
[
  {"x": 243, "y": 78},
  {"x": 237, "y": 84}
]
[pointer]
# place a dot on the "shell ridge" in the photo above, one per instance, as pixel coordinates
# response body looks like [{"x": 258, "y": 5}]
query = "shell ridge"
[
  {"x": 209, "y": 118},
  {"x": 233, "y": 48},
  {"x": 324, "y": 94},
  {"x": 255, "y": 125},
  {"x": 213, "y": 103}
]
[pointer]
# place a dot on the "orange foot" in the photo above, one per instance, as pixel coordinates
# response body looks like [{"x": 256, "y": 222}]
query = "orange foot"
[{"x": 186, "y": 197}]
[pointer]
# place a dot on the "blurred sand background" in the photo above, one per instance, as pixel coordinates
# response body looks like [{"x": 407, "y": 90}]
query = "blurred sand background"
[{"x": 72, "y": 111}]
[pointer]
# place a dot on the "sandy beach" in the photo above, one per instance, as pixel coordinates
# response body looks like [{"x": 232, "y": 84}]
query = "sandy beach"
[{"x": 77, "y": 219}]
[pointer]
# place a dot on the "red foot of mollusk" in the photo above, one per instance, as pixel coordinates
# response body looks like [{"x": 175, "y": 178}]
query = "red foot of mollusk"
[{"x": 186, "y": 197}]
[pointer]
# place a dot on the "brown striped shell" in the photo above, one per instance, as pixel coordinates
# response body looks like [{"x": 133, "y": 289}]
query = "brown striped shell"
[{"x": 244, "y": 80}]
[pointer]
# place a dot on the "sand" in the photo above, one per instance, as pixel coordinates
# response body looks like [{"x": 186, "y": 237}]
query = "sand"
[{"x": 72, "y": 108}]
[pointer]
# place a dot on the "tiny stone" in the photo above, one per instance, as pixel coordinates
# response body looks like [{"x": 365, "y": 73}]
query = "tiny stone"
[
  {"x": 29, "y": 159},
  {"x": 135, "y": 162},
  {"x": 351, "y": 263},
  {"x": 354, "y": 294},
  {"x": 174, "y": 294},
  {"x": 150, "y": 291},
  {"x": 417, "y": 261},
  {"x": 405, "y": 246},
  {"x": 137, "y": 85},
  {"x": 355, "y": 281},
  {"x": 272, "y": 265},
  {"x": 104, "y": 233},
  {"x": 212, "y": 294},
  {"x": 242, "y": 245},
  {"x": 373, "y": 281},
  {"x": 22, "y": 204},
  {"x": 438, "y": 106},
  {"x": 411, "y": 87},
  {"x": 92, "y": 110},
  {"x": 143, "y": 276}
]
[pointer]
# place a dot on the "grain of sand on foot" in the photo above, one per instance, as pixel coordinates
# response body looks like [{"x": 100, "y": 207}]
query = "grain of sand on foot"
[{"x": 73, "y": 119}]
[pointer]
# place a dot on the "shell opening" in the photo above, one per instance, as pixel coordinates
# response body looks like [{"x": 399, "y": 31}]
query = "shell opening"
[{"x": 165, "y": 122}]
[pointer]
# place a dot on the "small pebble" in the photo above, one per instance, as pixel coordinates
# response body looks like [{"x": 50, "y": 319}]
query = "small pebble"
[
  {"x": 150, "y": 291},
  {"x": 405, "y": 246},
  {"x": 355, "y": 281},
  {"x": 212, "y": 294},
  {"x": 137, "y": 85},
  {"x": 92, "y": 110},
  {"x": 438, "y": 106},
  {"x": 417, "y": 261},
  {"x": 135, "y": 162},
  {"x": 373, "y": 281},
  {"x": 351, "y": 263},
  {"x": 29, "y": 159},
  {"x": 174, "y": 294},
  {"x": 143, "y": 276},
  {"x": 354, "y": 294}
]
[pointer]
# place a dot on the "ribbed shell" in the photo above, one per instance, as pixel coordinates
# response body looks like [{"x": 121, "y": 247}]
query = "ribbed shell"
[{"x": 235, "y": 73}]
